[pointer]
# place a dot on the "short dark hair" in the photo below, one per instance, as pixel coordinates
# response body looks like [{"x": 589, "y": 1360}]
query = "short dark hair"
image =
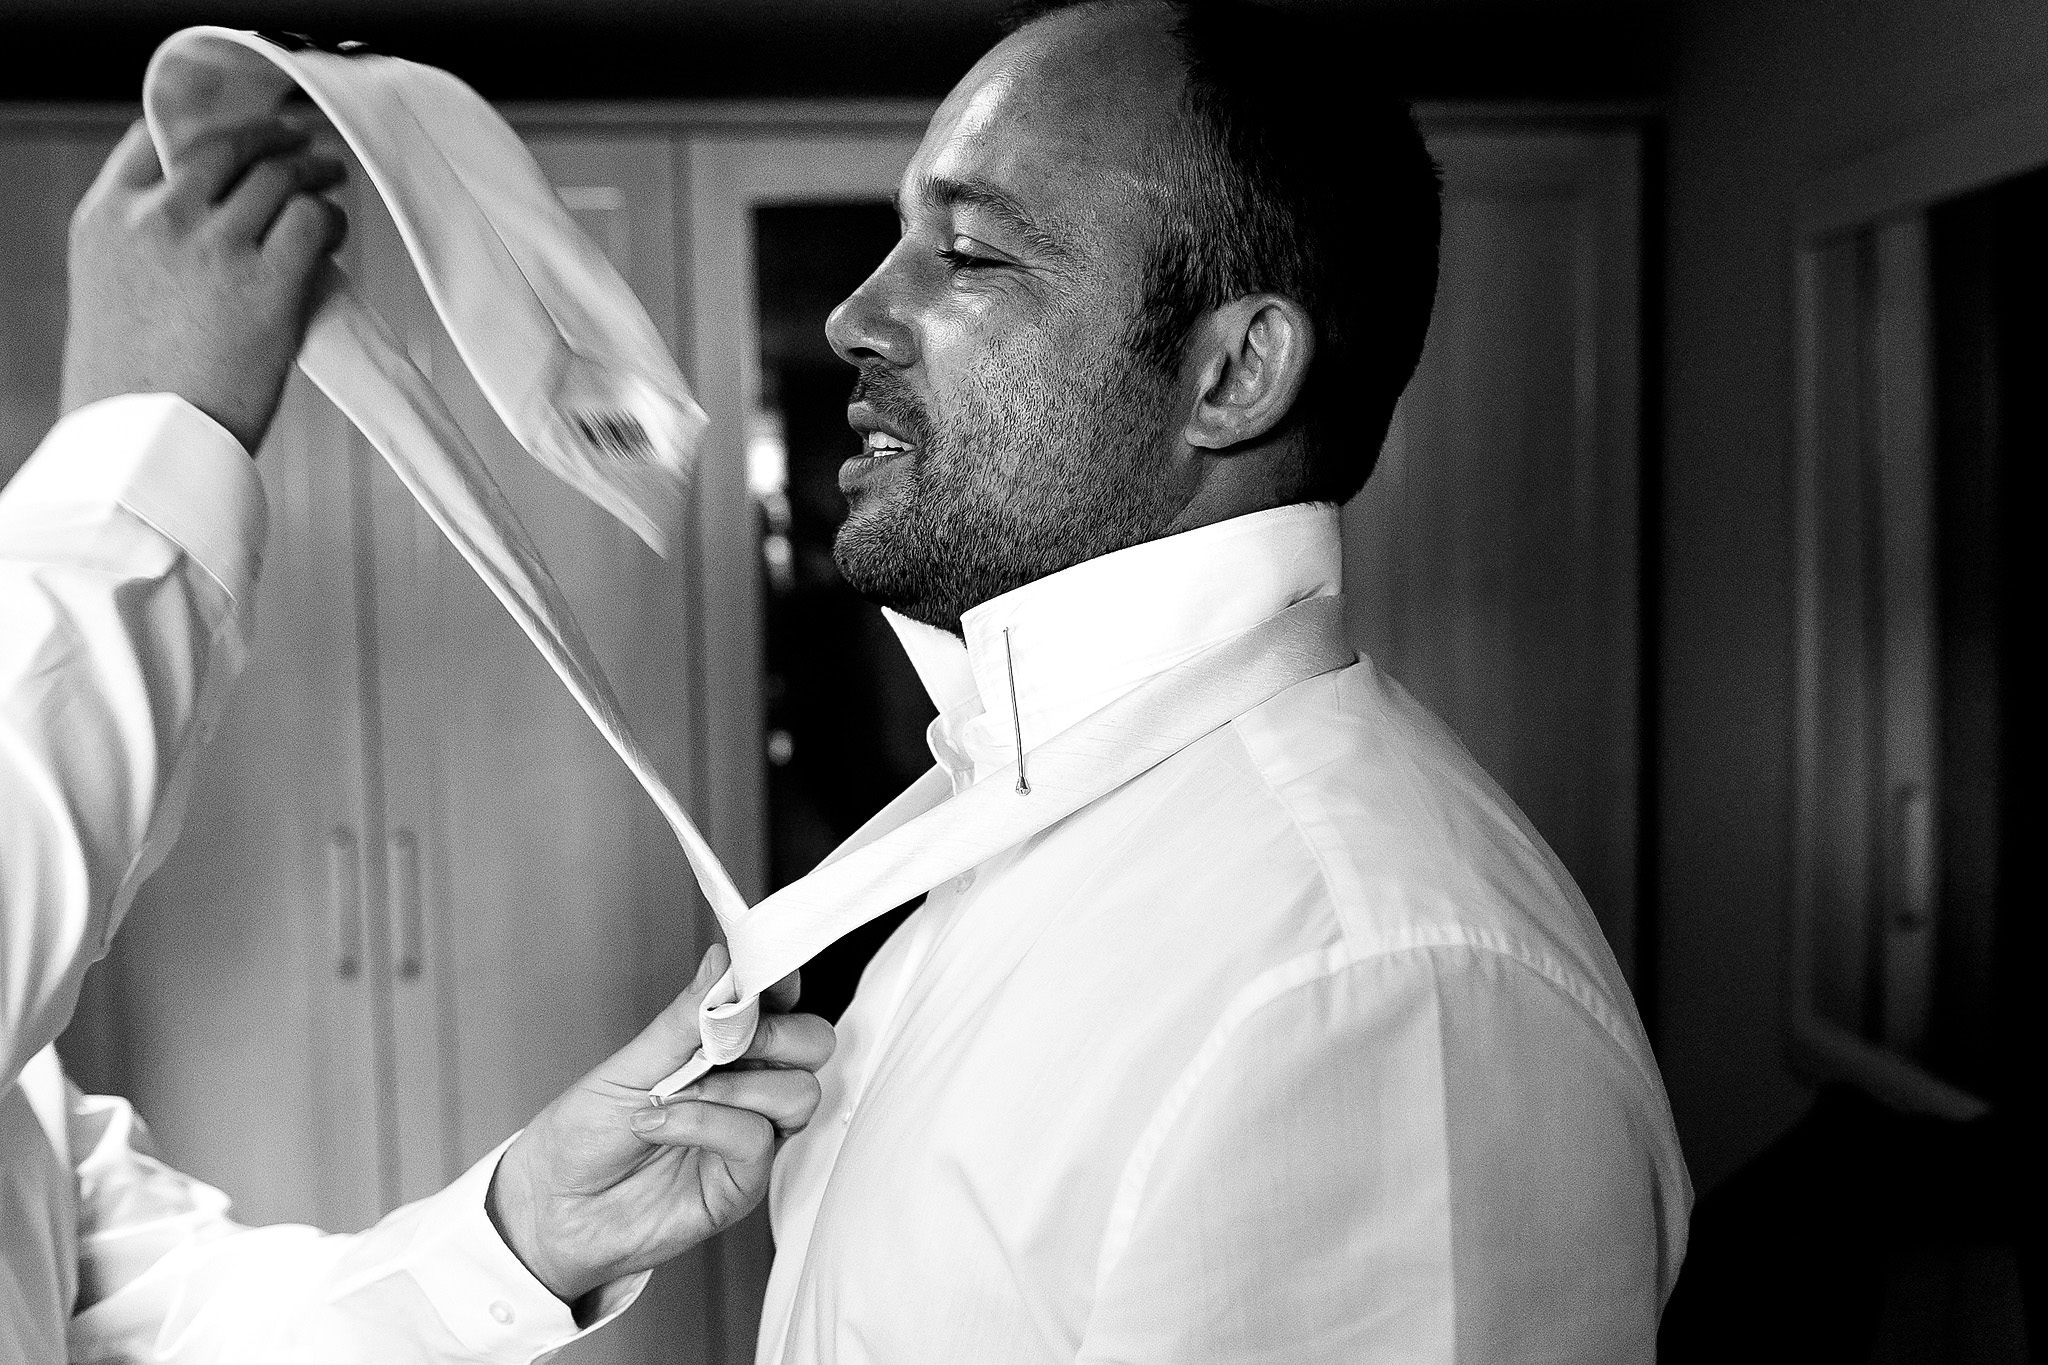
[{"x": 1296, "y": 178}]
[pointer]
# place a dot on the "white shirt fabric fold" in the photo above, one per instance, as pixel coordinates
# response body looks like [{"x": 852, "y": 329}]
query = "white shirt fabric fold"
[
  {"x": 129, "y": 548},
  {"x": 1299, "y": 1047}
]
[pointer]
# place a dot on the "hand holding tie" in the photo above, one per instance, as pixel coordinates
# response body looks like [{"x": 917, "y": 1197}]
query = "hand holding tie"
[
  {"x": 604, "y": 1184},
  {"x": 197, "y": 278}
]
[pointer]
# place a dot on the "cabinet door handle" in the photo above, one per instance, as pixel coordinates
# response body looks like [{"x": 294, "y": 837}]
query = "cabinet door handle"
[
  {"x": 405, "y": 904},
  {"x": 345, "y": 902},
  {"x": 1915, "y": 908}
]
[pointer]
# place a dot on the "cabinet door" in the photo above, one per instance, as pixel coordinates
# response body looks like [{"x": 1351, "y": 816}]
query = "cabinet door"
[
  {"x": 46, "y": 170},
  {"x": 540, "y": 911},
  {"x": 1491, "y": 562},
  {"x": 238, "y": 1007},
  {"x": 249, "y": 995}
]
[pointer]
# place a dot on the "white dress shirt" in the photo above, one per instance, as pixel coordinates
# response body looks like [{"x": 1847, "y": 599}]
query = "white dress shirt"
[
  {"x": 129, "y": 546},
  {"x": 1300, "y": 1047}
]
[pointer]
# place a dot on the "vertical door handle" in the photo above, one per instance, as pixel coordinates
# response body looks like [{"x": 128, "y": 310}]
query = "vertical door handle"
[
  {"x": 345, "y": 902},
  {"x": 411, "y": 932},
  {"x": 1914, "y": 910}
]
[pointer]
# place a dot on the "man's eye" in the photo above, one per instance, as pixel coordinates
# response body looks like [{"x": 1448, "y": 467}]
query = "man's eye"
[{"x": 961, "y": 260}]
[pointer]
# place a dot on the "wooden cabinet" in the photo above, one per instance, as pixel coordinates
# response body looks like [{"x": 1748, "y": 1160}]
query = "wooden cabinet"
[
  {"x": 416, "y": 895},
  {"x": 46, "y": 163},
  {"x": 538, "y": 912}
]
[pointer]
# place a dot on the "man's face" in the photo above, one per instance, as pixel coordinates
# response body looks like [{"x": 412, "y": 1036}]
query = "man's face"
[{"x": 1009, "y": 431}]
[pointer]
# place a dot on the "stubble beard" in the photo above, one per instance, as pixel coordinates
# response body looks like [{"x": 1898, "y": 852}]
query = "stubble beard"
[{"x": 1038, "y": 471}]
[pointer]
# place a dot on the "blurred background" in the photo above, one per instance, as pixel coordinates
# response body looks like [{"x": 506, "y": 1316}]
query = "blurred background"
[{"x": 1706, "y": 523}]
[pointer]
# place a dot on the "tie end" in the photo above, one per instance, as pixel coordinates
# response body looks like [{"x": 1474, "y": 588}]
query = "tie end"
[{"x": 689, "y": 1073}]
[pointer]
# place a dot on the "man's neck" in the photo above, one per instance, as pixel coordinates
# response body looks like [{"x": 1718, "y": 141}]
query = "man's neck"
[{"x": 1039, "y": 658}]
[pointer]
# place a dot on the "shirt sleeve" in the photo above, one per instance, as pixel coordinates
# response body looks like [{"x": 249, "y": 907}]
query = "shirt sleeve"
[
  {"x": 128, "y": 547},
  {"x": 168, "y": 1278},
  {"x": 1429, "y": 1156}
]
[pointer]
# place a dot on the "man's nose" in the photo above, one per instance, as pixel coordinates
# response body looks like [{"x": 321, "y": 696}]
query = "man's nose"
[{"x": 866, "y": 327}]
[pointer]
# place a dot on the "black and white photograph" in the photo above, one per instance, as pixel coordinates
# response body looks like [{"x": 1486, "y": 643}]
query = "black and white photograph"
[{"x": 1021, "y": 682}]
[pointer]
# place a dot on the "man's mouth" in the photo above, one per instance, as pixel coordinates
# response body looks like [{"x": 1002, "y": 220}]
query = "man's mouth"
[
  {"x": 879, "y": 447},
  {"x": 881, "y": 443},
  {"x": 863, "y": 469}
]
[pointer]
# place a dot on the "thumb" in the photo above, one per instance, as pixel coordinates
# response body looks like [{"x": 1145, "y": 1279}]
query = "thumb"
[
  {"x": 669, "y": 1041},
  {"x": 133, "y": 163}
]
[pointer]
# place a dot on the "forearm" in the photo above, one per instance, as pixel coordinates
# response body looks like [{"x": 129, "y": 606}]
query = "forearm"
[
  {"x": 169, "y": 1279},
  {"x": 128, "y": 549}
]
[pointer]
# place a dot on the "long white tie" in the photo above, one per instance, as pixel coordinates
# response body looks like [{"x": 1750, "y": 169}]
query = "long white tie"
[
  {"x": 578, "y": 374},
  {"x": 566, "y": 355}
]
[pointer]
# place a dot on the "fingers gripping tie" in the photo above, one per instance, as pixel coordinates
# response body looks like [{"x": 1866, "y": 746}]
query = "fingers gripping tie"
[{"x": 726, "y": 1021}]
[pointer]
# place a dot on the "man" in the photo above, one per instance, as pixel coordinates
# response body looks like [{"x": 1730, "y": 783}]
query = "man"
[
  {"x": 128, "y": 551},
  {"x": 1300, "y": 1046}
]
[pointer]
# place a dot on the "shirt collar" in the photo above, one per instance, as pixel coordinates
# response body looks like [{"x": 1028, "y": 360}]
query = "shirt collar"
[{"x": 1077, "y": 640}]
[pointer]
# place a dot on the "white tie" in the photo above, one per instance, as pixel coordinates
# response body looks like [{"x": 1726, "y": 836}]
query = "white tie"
[
  {"x": 572, "y": 365},
  {"x": 558, "y": 343}
]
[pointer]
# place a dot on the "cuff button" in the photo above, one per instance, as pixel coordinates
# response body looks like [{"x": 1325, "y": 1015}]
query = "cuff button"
[{"x": 501, "y": 1312}]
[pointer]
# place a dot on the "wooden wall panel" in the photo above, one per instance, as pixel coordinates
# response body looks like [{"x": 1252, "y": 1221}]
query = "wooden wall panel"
[{"x": 1491, "y": 564}]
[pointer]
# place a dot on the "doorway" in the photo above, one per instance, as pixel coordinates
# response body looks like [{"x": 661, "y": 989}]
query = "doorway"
[{"x": 844, "y": 715}]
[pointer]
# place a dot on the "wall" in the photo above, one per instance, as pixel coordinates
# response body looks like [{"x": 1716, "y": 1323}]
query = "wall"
[
  {"x": 1764, "y": 96},
  {"x": 45, "y": 166},
  {"x": 713, "y": 49}
]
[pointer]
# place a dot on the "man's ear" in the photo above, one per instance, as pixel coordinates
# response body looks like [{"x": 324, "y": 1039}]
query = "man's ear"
[{"x": 1250, "y": 357}]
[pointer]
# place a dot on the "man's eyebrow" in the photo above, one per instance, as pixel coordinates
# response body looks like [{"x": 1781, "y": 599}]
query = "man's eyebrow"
[{"x": 946, "y": 192}]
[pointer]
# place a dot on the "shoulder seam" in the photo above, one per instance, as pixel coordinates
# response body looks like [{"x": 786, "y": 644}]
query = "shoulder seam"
[
  {"x": 1287, "y": 807},
  {"x": 1307, "y": 968},
  {"x": 1564, "y": 977}
]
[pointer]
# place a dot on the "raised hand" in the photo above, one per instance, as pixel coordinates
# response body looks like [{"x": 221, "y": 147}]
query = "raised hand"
[{"x": 197, "y": 279}]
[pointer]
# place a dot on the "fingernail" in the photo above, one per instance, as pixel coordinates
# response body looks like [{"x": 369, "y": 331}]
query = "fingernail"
[{"x": 649, "y": 1119}]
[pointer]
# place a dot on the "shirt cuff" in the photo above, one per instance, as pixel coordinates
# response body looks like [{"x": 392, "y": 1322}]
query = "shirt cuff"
[
  {"x": 483, "y": 1292},
  {"x": 168, "y": 464}
]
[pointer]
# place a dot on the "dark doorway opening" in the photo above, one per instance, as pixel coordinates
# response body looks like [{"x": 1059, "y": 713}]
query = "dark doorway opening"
[
  {"x": 845, "y": 713},
  {"x": 1865, "y": 1235}
]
